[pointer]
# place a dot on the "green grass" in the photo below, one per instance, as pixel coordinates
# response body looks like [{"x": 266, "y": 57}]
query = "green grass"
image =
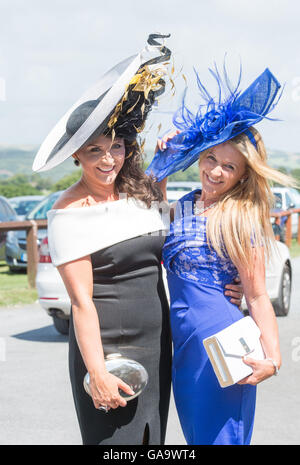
[
  {"x": 295, "y": 249},
  {"x": 14, "y": 289}
]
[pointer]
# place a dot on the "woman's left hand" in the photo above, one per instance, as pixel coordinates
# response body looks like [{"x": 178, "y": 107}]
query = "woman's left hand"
[
  {"x": 262, "y": 369},
  {"x": 236, "y": 291}
]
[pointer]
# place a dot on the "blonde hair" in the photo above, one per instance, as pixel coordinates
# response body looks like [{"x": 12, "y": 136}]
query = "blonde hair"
[{"x": 241, "y": 218}]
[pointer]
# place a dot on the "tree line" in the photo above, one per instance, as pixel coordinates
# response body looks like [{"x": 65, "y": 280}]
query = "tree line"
[{"x": 35, "y": 184}]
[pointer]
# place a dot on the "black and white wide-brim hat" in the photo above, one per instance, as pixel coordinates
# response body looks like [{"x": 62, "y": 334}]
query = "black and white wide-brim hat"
[{"x": 89, "y": 116}]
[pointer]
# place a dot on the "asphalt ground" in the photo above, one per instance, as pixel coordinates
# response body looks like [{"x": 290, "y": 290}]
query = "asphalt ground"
[{"x": 36, "y": 405}]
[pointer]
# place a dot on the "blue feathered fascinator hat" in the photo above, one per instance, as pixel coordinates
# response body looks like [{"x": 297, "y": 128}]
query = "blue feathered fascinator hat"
[{"x": 216, "y": 121}]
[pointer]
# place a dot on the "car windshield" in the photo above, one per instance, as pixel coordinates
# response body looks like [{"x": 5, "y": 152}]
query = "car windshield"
[
  {"x": 23, "y": 207},
  {"x": 179, "y": 188},
  {"x": 278, "y": 200},
  {"x": 40, "y": 211},
  {"x": 295, "y": 197}
]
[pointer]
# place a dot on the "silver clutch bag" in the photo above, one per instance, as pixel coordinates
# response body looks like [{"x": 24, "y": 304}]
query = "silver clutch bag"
[{"x": 129, "y": 371}]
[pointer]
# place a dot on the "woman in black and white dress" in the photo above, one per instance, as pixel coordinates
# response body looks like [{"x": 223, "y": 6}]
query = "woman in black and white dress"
[
  {"x": 111, "y": 266},
  {"x": 106, "y": 236}
]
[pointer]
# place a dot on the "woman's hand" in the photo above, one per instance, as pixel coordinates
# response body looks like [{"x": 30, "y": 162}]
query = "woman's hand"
[
  {"x": 105, "y": 391},
  {"x": 162, "y": 143},
  {"x": 236, "y": 291},
  {"x": 262, "y": 369}
]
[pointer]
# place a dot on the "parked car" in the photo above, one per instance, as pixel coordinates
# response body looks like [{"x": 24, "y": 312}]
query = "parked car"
[
  {"x": 54, "y": 298},
  {"x": 7, "y": 213},
  {"x": 52, "y": 293},
  {"x": 295, "y": 195},
  {"x": 24, "y": 204},
  {"x": 278, "y": 280},
  {"x": 177, "y": 189},
  {"x": 15, "y": 249},
  {"x": 286, "y": 199}
]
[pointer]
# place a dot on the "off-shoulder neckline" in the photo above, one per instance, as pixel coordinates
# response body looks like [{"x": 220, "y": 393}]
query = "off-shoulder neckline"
[{"x": 97, "y": 205}]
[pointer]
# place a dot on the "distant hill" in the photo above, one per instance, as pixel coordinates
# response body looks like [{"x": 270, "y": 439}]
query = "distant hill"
[
  {"x": 276, "y": 158},
  {"x": 18, "y": 159},
  {"x": 290, "y": 160}
]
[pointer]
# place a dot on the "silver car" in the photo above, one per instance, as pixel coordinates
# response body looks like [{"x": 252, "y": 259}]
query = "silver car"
[
  {"x": 15, "y": 249},
  {"x": 24, "y": 204}
]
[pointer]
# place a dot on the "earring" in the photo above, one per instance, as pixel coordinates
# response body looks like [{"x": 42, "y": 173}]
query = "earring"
[
  {"x": 242, "y": 181},
  {"x": 129, "y": 155},
  {"x": 76, "y": 162}
]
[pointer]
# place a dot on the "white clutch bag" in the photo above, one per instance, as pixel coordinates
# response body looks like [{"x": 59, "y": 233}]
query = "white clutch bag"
[{"x": 227, "y": 348}]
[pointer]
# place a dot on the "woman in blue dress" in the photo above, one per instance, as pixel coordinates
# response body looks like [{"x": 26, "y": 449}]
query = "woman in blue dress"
[{"x": 217, "y": 233}]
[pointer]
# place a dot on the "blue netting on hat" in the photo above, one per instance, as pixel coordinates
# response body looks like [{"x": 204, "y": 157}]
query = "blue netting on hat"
[{"x": 216, "y": 121}]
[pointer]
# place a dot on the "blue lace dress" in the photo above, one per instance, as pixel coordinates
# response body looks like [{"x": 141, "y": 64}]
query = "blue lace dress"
[{"x": 196, "y": 275}]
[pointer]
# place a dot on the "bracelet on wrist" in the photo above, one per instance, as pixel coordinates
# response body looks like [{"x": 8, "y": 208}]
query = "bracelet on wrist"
[{"x": 274, "y": 365}]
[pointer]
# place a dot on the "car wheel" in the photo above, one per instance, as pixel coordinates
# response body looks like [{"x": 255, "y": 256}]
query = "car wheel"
[
  {"x": 15, "y": 269},
  {"x": 282, "y": 304},
  {"x": 61, "y": 325}
]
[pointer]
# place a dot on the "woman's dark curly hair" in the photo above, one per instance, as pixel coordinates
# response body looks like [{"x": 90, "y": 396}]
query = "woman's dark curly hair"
[
  {"x": 129, "y": 122},
  {"x": 132, "y": 180},
  {"x": 126, "y": 121}
]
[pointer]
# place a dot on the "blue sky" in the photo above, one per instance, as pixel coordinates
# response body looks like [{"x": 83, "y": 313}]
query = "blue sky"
[{"x": 52, "y": 51}]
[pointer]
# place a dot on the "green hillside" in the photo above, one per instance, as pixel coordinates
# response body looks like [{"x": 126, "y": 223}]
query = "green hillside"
[
  {"x": 289, "y": 160},
  {"x": 18, "y": 160}
]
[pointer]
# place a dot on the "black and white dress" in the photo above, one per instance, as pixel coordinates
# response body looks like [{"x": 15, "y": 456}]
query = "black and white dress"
[{"x": 124, "y": 239}]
